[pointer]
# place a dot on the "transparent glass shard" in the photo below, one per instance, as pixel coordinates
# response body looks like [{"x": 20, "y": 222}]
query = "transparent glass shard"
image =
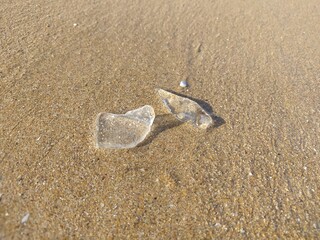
[
  {"x": 185, "y": 109},
  {"x": 123, "y": 130}
]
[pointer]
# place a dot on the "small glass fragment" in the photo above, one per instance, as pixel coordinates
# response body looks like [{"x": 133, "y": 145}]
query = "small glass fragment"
[
  {"x": 123, "y": 130},
  {"x": 25, "y": 218},
  {"x": 185, "y": 109}
]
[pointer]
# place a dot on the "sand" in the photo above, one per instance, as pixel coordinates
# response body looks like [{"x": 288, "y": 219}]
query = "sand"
[{"x": 254, "y": 175}]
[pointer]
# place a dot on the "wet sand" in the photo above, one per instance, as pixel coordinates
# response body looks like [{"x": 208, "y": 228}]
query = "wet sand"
[{"x": 254, "y": 175}]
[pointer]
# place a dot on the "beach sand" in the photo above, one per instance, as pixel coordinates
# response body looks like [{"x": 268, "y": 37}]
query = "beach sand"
[{"x": 255, "y": 175}]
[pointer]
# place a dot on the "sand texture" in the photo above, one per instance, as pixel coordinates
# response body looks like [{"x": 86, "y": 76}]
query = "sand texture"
[{"x": 254, "y": 175}]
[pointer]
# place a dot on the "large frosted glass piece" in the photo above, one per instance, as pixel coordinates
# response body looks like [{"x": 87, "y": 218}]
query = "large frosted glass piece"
[
  {"x": 185, "y": 109},
  {"x": 123, "y": 130}
]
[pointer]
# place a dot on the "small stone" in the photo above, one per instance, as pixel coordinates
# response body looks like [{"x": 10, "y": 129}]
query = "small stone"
[
  {"x": 217, "y": 225},
  {"x": 184, "y": 84}
]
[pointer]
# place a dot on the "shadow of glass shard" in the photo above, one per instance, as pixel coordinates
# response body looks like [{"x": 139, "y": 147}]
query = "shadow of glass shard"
[
  {"x": 123, "y": 130},
  {"x": 185, "y": 109}
]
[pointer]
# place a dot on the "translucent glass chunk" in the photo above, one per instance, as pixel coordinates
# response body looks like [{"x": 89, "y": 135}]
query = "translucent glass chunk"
[
  {"x": 123, "y": 130},
  {"x": 185, "y": 109}
]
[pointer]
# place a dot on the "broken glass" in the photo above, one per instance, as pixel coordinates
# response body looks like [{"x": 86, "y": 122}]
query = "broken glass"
[
  {"x": 185, "y": 109},
  {"x": 123, "y": 130}
]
